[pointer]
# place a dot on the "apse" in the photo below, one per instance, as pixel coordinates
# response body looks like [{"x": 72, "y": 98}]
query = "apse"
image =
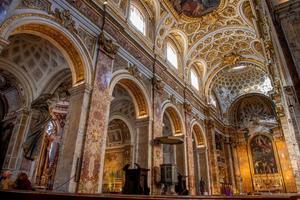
[{"x": 234, "y": 81}]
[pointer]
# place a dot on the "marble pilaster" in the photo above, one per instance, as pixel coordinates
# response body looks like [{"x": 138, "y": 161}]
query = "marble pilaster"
[
  {"x": 97, "y": 124},
  {"x": 72, "y": 142},
  {"x": 215, "y": 185},
  {"x": 190, "y": 155},
  {"x": 157, "y": 154}
]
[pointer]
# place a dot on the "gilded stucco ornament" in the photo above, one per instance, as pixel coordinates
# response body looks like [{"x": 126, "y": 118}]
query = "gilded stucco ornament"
[
  {"x": 276, "y": 96},
  {"x": 231, "y": 59},
  {"x": 172, "y": 98},
  {"x": 133, "y": 70},
  {"x": 279, "y": 110},
  {"x": 65, "y": 19},
  {"x": 188, "y": 107},
  {"x": 107, "y": 45},
  {"x": 158, "y": 85}
]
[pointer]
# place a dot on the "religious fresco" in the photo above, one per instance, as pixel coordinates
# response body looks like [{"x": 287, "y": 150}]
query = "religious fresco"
[
  {"x": 263, "y": 156},
  {"x": 194, "y": 8},
  {"x": 117, "y": 155}
]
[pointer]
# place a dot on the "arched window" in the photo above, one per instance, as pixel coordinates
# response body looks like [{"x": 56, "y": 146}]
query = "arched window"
[
  {"x": 137, "y": 19},
  {"x": 194, "y": 79},
  {"x": 172, "y": 55}
]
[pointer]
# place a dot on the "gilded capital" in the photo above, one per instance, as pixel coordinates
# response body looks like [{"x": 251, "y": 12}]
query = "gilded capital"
[
  {"x": 107, "y": 45},
  {"x": 187, "y": 107},
  {"x": 158, "y": 85}
]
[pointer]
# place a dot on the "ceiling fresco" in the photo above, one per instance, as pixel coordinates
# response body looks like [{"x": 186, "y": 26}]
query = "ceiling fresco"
[{"x": 194, "y": 8}]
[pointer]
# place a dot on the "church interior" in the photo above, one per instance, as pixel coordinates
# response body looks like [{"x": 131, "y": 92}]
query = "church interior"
[{"x": 151, "y": 97}]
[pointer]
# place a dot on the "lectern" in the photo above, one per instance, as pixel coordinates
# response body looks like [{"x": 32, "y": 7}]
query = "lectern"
[{"x": 136, "y": 180}]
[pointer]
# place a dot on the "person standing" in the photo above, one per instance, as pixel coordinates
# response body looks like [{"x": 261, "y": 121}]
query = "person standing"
[
  {"x": 202, "y": 186},
  {"x": 22, "y": 182},
  {"x": 6, "y": 182}
]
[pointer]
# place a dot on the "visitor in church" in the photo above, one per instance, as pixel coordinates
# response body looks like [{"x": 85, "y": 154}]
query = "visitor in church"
[
  {"x": 22, "y": 182},
  {"x": 202, "y": 186},
  {"x": 6, "y": 182}
]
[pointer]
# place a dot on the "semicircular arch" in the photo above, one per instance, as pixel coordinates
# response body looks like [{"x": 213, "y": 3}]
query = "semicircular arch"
[{"x": 75, "y": 52}]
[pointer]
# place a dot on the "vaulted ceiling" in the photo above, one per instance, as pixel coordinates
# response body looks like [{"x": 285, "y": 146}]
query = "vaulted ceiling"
[{"x": 224, "y": 37}]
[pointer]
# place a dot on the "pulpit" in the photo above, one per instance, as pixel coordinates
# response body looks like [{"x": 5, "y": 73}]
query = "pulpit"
[
  {"x": 168, "y": 177},
  {"x": 136, "y": 180}
]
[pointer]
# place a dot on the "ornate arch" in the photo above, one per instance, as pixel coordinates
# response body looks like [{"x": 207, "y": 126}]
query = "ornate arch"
[
  {"x": 265, "y": 100},
  {"x": 128, "y": 124},
  {"x": 28, "y": 88},
  {"x": 136, "y": 90},
  {"x": 198, "y": 134},
  {"x": 46, "y": 27},
  {"x": 174, "y": 115}
]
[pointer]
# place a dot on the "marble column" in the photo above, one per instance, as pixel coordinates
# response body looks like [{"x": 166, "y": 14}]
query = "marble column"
[
  {"x": 72, "y": 141},
  {"x": 13, "y": 157},
  {"x": 215, "y": 185},
  {"x": 157, "y": 153},
  {"x": 96, "y": 133},
  {"x": 190, "y": 154}
]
